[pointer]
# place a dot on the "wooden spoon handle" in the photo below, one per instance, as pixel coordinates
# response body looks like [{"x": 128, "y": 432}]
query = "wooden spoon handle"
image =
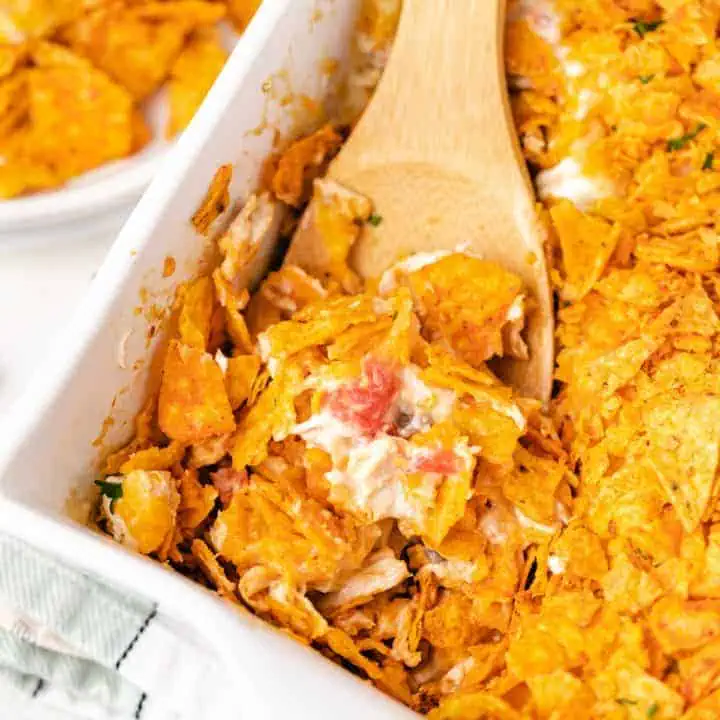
[{"x": 444, "y": 80}]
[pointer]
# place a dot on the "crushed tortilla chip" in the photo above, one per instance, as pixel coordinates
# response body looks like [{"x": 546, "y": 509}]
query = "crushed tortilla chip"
[
  {"x": 216, "y": 200},
  {"x": 193, "y": 404},
  {"x": 191, "y": 76}
]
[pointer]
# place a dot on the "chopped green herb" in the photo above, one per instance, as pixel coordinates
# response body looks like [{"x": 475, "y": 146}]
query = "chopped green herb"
[
  {"x": 113, "y": 490},
  {"x": 645, "y": 79},
  {"x": 375, "y": 219},
  {"x": 643, "y": 27},
  {"x": 683, "y": 140},
  {"x": 652, "y": 711},
  {"x": 708, "y": 162},
  {"x": 625, "y": 701}
]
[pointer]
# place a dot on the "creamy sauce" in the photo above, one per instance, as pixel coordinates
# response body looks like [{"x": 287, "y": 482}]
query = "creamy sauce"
[
  {"x": 566, "y": 180},
  {"x": 369, "y": 475},
  {"x": 530, "y": 524},
  {"x": 556, "y": 564},
  {"x": 222, "y": 361}
]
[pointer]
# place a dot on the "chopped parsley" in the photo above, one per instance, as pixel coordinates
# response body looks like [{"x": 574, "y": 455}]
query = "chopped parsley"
[
  {"x": 708, "y": 161},
  {"x": 375, "y": 219},
  {"x": 683, "y": 140},
  {"x": 643, "y": 27},
  {"x": 110, "y": 489},
  {"x": 645, "y": 79},
  {"x": 625, "y": 701},
  {"x": 652, "y": 711}
]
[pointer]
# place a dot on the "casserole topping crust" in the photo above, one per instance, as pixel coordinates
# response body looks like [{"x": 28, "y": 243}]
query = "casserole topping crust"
[{"x": 338, "y": 456}]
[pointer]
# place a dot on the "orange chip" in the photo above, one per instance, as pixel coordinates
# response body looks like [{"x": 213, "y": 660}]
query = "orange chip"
[
  {"x": 465, "y": 303},
  {"x": 331, "y": 226},
  {"x": 11, "y": 58},
  {"x": 240, "y": 377},
  {"x": 273, "y": 414},
  {"x": 20, "y": 176},
  {"x": 196, "y": 313},
  {"x": 241, "y": 12},
  {"x": 316, "y": 324},
  {"x": 79, "y": 118},
  {"x": 680, "y": 625},
  {"x": 193, "y": 404},
  {"x": 682, "y": 445},
  {"x": 196, "y": 501},
  {"x": 154, "y": 458},
  {"x": 532, "y": 484},
  {"x": 25, "y": 19},
  {"x": 192, "y": 13},
  {"x": 587, "y": 243},
  {"x": 216, "y": 200},
  {"x": 191, "y": 76},
  {"x": 146, "y": 510},
  {"x": 474, "y": 705},
  {"x": 136, "y": 51},
  {"x": 301, "y": 163}
]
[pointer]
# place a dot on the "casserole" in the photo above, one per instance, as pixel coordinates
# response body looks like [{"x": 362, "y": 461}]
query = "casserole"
[{"x": 102, "y": 367}]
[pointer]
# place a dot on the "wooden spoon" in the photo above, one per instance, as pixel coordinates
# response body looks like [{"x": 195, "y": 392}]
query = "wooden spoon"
[{"x": 437, "y": 154}]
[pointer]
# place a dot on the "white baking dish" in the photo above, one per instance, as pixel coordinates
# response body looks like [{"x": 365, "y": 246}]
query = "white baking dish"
[{"x": 48, "y": 454}]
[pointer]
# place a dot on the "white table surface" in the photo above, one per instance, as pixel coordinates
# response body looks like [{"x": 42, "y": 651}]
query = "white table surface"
[{"x": 40, "y": 287}]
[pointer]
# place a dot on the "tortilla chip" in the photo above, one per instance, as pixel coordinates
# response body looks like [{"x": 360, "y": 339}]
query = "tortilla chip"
[
  {"x": 532, "y": 484},
  {"x": 196, "y": 501},
  {"x": 212, "y": 568},
  {"x": 21, "y": 176},
  {"x": 11, "y": 58},
  {"x": 301, "y": 163},
  {"x": 191, "y": 77},
  {"x": 241, "y": 12},
  {"x": 679, "y": 625},
  {"x": 330, "y": 227},
  {"x": 560, "y": 692},
  {"x": 464, "y": 303},
  {"x": 79, "y": 119},
  {"x": 474, "y": 705},
  {"x": 272, "y": 416},
  {"x": 529, "y": 56},
  {"x": 241, "y": 375},
  {"x": 193, "y": 404},
  {"x": 587, "y": 243},
  {"x": 144, "y": 516},
  {"x": 216, "y": 200},
  {"x": 134, "y": 49},
  {"x": 683, "y": 437},
  {"x": 196, "y": 313},
  {"x": 24, "y": 19},
  {"x": 154, "y": 458},
  {"x": 316, "y": 324}
]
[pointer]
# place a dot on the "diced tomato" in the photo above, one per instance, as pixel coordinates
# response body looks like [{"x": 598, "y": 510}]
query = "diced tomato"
[
  {"x": 226, "y": 481},
  {"x": 444, "y": 462},
  {"x": 366, "y": 404}
]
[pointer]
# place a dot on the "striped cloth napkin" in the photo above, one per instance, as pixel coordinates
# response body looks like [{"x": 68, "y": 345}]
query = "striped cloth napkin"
[{"x": 73, "y": 647}]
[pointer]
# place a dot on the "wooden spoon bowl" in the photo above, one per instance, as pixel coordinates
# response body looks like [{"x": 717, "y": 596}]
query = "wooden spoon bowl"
[{"x": 437, "y": 153}]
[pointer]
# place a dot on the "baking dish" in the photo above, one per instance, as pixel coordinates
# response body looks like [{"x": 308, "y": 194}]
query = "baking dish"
[{"x": 49, "y": 451}]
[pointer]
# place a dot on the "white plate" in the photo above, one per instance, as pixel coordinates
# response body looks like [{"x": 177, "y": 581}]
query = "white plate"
[
  {"x": 97, "y": 203},
  {"x": 47, "y": 451}
]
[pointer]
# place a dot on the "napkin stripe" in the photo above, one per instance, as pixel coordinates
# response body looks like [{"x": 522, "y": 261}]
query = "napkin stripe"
[{"x": 138, "y": 634}]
